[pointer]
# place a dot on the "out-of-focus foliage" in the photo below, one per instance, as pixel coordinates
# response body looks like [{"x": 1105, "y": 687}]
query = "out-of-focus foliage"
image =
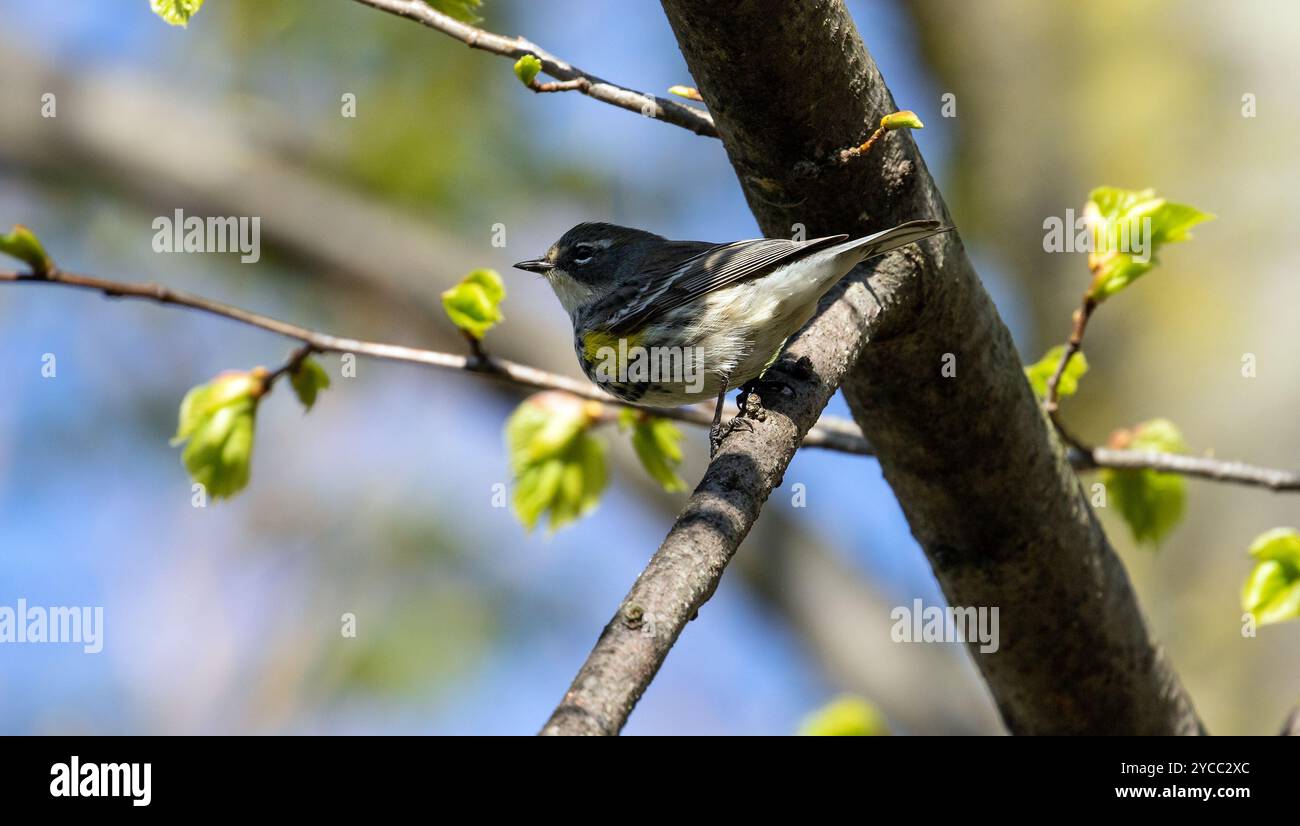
[
  {"x": 176, "y": 12},
  {"x": 657, "y": 443},
  {"x": 846, "y": 716},
  {"x": 20, "y": 243},
  {"x": 557, "y": 465},
  {"x": 1152, "y": 503},
  {"x": 474, "y": 305},
  {"x": 1041, "y": 371},
  {"x": 308, "y": 380},
  {"x": 1272, "y": 591},
  {"x": 459, "y": 153},
  {"x": 217, "y": 420}
]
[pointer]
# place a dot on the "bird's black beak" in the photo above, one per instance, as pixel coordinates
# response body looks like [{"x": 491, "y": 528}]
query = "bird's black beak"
[{"x": 539, "y": 266}]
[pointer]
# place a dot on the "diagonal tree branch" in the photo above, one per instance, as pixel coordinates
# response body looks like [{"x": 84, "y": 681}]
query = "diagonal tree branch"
[
  {"x": 1011, "y": 533},
  {"x": 686, "y": 569},
  {"x": 570, "y": 77}
]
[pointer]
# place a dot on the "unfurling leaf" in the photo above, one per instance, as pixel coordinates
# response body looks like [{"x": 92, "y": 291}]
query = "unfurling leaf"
[
  {"x": 1272, "y": 591},
  {"x": 1041, "y": 371},
  {"x": 463, "y": 10},
  {"x": 1152, "y": 503},
  {"x": 1278, "y": 545},
  {"x": 846, "y": 716},
  {"x": 905, "y": 119},
  {"x": 527, "y": 68},
  {"x": 176, "y": 12},
  {"x": 474, "y": 305},
  {"x": 1128, "y": 228},
  {"x": 308, "y": 380},
  {"x": 657, "y": 443},
  {"x": 557, "y": 465},
  {"x": 688, "y": 92},
  {"x": 20, "y": 243},
  {"x": 217, "y": 419}
]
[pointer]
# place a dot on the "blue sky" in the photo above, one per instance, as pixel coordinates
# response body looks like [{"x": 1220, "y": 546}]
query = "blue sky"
[{"x": 94, "y": 505}]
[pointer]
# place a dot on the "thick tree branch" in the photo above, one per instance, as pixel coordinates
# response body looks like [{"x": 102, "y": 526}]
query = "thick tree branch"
[
  {"x": 986, "y": 489},
  {"x": 570, "y": 77},
  {"x": 686, "y": 569},
  {"x": 1291, "y": 728},
  {"x": 835, "y": 435}
]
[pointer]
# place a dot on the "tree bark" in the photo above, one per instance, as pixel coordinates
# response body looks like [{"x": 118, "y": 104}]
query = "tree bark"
[{"x": 983, "y": 481}]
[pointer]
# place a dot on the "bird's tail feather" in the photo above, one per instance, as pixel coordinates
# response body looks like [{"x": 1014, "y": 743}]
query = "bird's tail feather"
[{"x": 899, "y": 236}]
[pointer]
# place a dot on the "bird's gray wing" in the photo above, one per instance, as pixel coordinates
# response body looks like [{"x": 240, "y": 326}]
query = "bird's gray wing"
[{"x": 682, "y": 280}]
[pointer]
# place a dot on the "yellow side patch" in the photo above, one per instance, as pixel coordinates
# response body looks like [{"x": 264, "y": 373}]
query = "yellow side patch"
[{"x": 597, "y": 340}]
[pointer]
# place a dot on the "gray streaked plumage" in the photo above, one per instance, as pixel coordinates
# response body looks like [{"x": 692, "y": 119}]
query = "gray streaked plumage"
[{"x": 736, "y": 302}]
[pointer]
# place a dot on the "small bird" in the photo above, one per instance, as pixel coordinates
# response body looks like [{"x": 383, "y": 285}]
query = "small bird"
[{"x": 665, "y": 323}]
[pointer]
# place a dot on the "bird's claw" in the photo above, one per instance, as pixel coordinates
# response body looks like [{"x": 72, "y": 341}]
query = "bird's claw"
[{"x": 718, "y": 432}]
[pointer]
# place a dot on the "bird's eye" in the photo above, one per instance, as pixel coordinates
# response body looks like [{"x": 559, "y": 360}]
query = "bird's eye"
[{"x": 582, "y": 253}]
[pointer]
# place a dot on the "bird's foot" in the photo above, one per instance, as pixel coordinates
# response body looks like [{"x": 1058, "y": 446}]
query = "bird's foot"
[
  {"x": 717, "y": 433},
  {"x": 722, "y": 430}
]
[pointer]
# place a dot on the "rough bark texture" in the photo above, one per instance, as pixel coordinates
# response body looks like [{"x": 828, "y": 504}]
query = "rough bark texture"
[
  {"x": 985, "y": 485},
  {"x": 686, "y": 569}
]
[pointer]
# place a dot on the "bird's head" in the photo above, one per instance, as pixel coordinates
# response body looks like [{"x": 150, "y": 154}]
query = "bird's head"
[{"x": 590, "y": 260}]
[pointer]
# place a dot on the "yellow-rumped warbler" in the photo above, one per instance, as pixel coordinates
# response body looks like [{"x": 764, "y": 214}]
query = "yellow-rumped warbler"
[{"x": 665, "y": 323}]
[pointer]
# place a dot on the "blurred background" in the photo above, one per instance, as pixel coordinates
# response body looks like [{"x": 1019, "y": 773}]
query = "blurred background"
[{"x": 226, "y": 619}]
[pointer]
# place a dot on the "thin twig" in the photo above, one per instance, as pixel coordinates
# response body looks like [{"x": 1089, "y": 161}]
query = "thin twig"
[
  {"x": 1072, "y": 347},
  {"x": 830, "y": 432},
  {"x": 846, "y": 155},
  {"x": 1084, "y": 456},
  {"x": 1051, "y": 401},
  {"x": 570, "y": 77},
  {"x": 1203, "y": 467},
  {"x": 291, "y": 366},
  {"x": 836, "y": 435}
]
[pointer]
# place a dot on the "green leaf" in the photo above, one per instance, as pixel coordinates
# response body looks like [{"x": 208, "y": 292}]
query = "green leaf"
[
  {"x": 217, "y": 419},
  {"x": 688, "y": 92},
  {"x": 1272, "y": 591},
  {"x": 176, "y": 12},
  {"x": 205, "y": 400},
  {"x": 1280, "y": 545},
  {"x": 20, "y": 243},
  {"x": 1152, "y": 503},
  {"x": 557, "y": 465},
  {"x": 463, "y": 10},
  {"x": 308, "y": 380},
  {"x": 846, "y": 716},
  {"x": 1122, "y": 250},
  {"x": 474, "y": 305},
  {"x": 657, "y": 443},
  {"x": 527, "y": 69},
  {"x": 1041, "y": 371},
  {"x": 905, "y": 119}
]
